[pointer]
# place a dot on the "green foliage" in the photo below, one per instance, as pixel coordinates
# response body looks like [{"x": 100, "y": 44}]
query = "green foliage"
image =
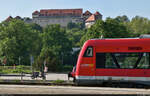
[
  {"x": 36, "y": 27},
  {"x": 115, "y": 29},
  {"x": 123, "y": 19},
  {"x": 72, "y": 25},
  {"x": 54, "y": 64},
  {"x": 55, "y": 45},
  {"x": 17, "y": 69},
  {"x": 139, "y": 25},
  {"x": 111, "y": 28},
  {"x": 0, "y": 70},
  {"x": 58, "y": 81},
  {"x": 67, "y": 68},
  {"x": 54, "y": 38},
  {"x": 15, "y": 41},
  {"x": 75, "y": 35},
  {"x": 96, "y": 31}
]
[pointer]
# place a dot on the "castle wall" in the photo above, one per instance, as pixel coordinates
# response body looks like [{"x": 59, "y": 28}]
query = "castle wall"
[{"x": 63, "y": 21}]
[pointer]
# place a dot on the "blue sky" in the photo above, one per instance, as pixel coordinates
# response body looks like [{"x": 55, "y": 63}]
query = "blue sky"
[{"x": 108, "y": 8}]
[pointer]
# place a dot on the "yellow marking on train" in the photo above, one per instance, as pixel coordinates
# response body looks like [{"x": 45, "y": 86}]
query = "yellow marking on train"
[{"x": 91, "y": 65}]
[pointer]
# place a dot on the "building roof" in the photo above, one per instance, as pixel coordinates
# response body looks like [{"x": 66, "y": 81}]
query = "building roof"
[
  {"x": 91, "y": 18},
  {"x": 59, "y": 12},
  {"x": 35, "y": 13},
  {"x": 97, "y": 13},
  {"x": 94, "y": 17},
  {"x": 18, "y": 17},
  {"x": 87, "y": 13},
  {"x": 9, "y": 18}
]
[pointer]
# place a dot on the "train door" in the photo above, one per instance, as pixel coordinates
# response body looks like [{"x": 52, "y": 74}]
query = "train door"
[{"x": 87, "y": 64}]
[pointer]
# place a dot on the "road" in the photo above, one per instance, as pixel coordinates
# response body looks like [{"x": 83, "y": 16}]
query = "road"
[{"x": 28, "y": 89}]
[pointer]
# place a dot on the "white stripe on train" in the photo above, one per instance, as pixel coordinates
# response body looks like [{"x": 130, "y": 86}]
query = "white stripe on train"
[{"x": 113, "y": 78}]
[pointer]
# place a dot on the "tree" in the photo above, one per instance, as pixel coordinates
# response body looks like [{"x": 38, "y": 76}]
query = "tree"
[
  {"x": 79, "y": 25},
  {"x": 16, "y": 41},
  {"x": 139, "y": 25},
  {"x": 115, "y": 29},
  {"x": 123, "y": 18},
  {"x": 75, "y": 35},
  {"x": 36, "y": 27},
  {"x": 110, "y": 28},
  {"x": 71, "y": 25},
  {"x": 95, "y": 31},
  {"x": 55, "y": 46}
]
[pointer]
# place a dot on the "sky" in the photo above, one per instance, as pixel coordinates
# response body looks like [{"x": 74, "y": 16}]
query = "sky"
[{"x": 108, "y": 8}]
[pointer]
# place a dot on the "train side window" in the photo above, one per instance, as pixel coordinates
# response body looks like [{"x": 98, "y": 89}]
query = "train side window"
[
  {"x": 133, "y": 60},
  {"x": 89, "y": 52},
  {"x": 100, "y": 60},
  {"x": 111, "y": 62},
  {"x": 144, "y": 62}
]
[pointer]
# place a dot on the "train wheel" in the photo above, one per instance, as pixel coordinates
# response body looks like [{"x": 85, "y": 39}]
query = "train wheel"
[
  {"x": 75, "y": 82},
  {"x": 74, "y": 79},
  {"x": 32, "y": 77}
]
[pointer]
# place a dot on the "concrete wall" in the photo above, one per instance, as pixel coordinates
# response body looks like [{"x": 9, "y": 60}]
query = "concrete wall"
[{"x": 89, "y": 24}]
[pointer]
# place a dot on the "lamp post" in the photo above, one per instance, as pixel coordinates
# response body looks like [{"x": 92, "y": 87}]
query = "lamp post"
[
  {"x": 62, "y": 57},
  {"x": 31, "y": 62},
  {"x": 20, "y": 68},
  {"x": 19, "y": 60}
]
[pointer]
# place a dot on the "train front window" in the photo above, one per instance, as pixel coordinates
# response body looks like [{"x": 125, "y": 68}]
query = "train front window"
[
  {"x": 125, "y": 60},
  {"x": 89, "y": 52}
]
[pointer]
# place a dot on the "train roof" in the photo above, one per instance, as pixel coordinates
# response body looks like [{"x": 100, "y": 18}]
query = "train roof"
[
  {"x": 140, "y": 37},
  {"x": 119, "y": 42},
  {"x": 120, "y": 45},
  {"x": 112, "y": 38}
]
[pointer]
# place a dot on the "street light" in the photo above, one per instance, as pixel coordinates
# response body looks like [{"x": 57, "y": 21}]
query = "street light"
[{"x": 21, "y": 68}]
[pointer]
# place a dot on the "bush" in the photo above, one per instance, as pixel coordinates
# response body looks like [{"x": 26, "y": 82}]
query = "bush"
[
  {"x": 54, "y": 65},
  {"x": 67, "y": 68},
  {"x": 58, "y": 81},
  {"x": 0, "y": 70},
  {"x": 18, "y": 69}
]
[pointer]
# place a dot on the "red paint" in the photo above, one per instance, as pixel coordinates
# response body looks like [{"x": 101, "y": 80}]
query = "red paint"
[
  {"x": 123, "y": 72},
  {"x": 112, "y": 45}
]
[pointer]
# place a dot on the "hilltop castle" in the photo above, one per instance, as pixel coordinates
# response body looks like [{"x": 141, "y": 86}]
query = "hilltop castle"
[{"x": 62, "y": 17}]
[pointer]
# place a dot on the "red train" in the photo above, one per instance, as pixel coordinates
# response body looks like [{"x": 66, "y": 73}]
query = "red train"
[{"x": 118, "y": 60}]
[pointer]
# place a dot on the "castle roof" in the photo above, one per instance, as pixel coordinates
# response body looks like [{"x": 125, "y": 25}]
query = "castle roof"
[
  {"x": 18, "y": 17},
  {"x": 97, "y": 13},
  {"x": 35, "y": 12},
  {"x": 94, "y": 17},
  {"x": 9, "y": 18},
  {"x": 87, "y": 13},
  {"x": 91, "y": 18},
  {"x": 59, "y": 12}
]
